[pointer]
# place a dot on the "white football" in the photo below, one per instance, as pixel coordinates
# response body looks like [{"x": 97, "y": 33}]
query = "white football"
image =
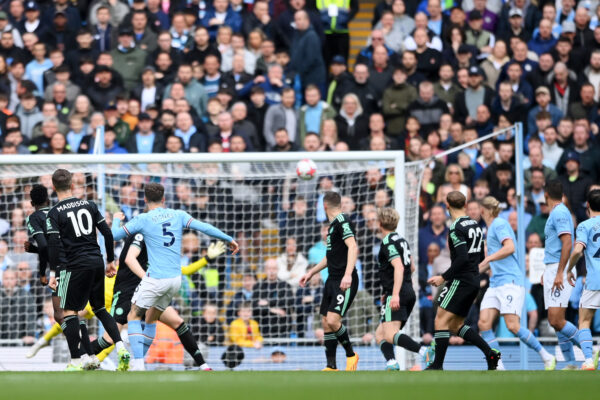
[{"x": 306, "y": 169}]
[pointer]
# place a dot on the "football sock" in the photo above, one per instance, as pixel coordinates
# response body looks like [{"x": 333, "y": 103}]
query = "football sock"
[
  {"x": 442, "y": 339},
  {"x": 402, "y": 340},
  {"x": 566, "y": 347},
  {"x": 100, "y": 344},
  {"x": 570, "y": 332},
  {"x": 586, "y": 342},
  {"x": 331, "y": 343},
  {"x": 104, "y": 353},
  {"x": 136, "y": 338},
  {"x": 70, "y": 327},
  {"x": 491, "y": 339},
  {"x": 387, "y": 349},
  {"x": 189, "y": 343},
  {"x": 467, "y": 333},
  {"x": 53, "y": 332},
  {"x": 149, "y": 334},
  {"x": 529, "y": 339},
  {"x": 86, "y": 347},
  {"x": 109, "y": 324},
  {"x": 344, "y": 339}
]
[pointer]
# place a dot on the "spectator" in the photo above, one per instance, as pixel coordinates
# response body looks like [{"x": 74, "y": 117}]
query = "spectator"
[
  {"x": 427, "y": 108},
  {"x": 144, "y": 37},
  {"x": 564, "y": 88},
  {"x": 313, "y": 113},
  {"x": 305, "y": 61},
  {"x": 550, "y": 148},
  {"x": 280, "y": 116},
  {"x": 392, "y": 30},
  {"x": 209, "y": 330},
  {"x": 308, "y": 300},
  {"x": 193, "y": 140},
  {"x": 335, "y": 25},
  {"x": 273, "y": 301},
  {"x": 575, "y": 185},
  {"x": 194, "y": 91},
  {"x": 428, "y": 59},
  {"x": 111, "y": 146},
  {"x": 145, "y": 140},
  {"x": 244, "y": 331},
  {"x": 17, "y": 319},
  {"x": 535, "y": 193},
  {"x": 352, "y": 123},
  {"x": 284, "y": 29},
  {"x": 587, "y": 107},
  {"x": 465, "y": 106},
  {"x": 259, "y": 18},
  {"x": 369, "y": 99},
  {"x": 587, "y": 159},
  {"x": 245, "y": 294},
  {"x": 542, "y": 97},
  {"x": 292, "y": 264},
  {"x": 34, "y": 71},
  {"x": 299, "y": 222},
  {"x": 29, "y": 114},
  {"x": 128, "y": 58},
  {"x": 445, "y": 88},
  {"x": 478, "y": 34}
]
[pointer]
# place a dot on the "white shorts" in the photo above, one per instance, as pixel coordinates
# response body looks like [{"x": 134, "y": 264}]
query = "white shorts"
[
  {"x": 555, "y": 298},
  {"x": 157, "y": 293},
  {"x": 590, "y": 299},
  {"x": 508, "y": 299}
]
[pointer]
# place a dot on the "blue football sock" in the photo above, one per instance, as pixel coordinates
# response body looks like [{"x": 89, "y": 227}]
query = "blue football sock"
[
  {"x": 566, "y": 347},
  {"x": 529, "y": 339},
  {"x": 136, "y": 338},
  {"x": 149, "y": 334},
  {"x": 490, "y": 338},
  {"x": 586, "y": 342},
  {"x": 570, "y": 332}
]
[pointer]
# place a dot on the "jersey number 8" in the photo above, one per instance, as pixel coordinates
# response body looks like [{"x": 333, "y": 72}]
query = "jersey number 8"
[{"x": 78, "y": 226}]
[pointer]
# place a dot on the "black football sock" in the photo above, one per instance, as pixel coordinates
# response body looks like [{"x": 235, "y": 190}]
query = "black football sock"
[
  {"x": 344, "y": 339},
  {"x": 100, "y": 344},
  {"x": 86, "y": 347},
  {"x": 442, "y": 339},
  {"x": 471, "y": 336},
  {"x": 70, "y": 327},
  {"x": 400, "y": 339},
  {"x": 387, "y": 349},
  {"x": 109, "y": 324},
  {"x": 189, "y": 343},
  {"x": 331, "y": 343}
]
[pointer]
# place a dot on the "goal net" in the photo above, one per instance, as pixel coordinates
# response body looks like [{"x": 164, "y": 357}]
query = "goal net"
[{"x": 278, "y": 220}]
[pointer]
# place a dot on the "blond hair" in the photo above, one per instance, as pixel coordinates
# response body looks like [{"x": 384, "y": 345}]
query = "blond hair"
[
  {"x": 388, "y": 218},
  {"x": 492, "y": 204}
]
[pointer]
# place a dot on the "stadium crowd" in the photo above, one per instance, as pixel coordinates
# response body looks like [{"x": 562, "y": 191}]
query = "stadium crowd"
[{"x": 235, "y": 76}]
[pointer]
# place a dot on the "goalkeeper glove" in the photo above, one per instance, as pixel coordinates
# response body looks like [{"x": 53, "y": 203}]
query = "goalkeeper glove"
[{"x": 214, "y": 250}]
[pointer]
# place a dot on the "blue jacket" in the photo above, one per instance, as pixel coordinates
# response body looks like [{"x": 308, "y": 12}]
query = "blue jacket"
[
  {"x": 232, "y": 19},
  {"x": 305, "y": 60},
  {"x": 426, "y": 237},
  {"x": 554, "y": 111},
  {"x": 540, "y": 46}
]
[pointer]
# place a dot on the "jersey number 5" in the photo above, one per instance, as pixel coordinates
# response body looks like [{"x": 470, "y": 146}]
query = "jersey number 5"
[
  {"x": 166, "y": 234},
  {"x": 78, "y": 226}
]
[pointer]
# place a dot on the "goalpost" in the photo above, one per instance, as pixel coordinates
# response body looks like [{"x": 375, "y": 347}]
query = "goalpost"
[{"x": 257, "y": 198}]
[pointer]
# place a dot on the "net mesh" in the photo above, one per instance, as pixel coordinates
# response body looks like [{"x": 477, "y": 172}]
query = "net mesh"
[{"x": 278, "y": 220}]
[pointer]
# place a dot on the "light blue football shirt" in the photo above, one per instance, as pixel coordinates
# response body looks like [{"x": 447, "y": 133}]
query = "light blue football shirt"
[
  {"x": 163, "y": 229},
  {"x": 559, "y": 223},
  {"x": 506, "y": 270},
  {"x": 588, "y": 234}
]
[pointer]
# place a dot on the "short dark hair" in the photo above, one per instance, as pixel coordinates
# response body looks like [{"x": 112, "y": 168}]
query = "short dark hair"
[
  {"x": 61, "y": 179},
  {"x": 245, "y": 304},
  {"x": 154, "y": 192},
  {"x": 39, "y": 195},
  {"x": 456, "y": 200},
  {"x": 333, "y": 199},
  {"x": 594, "y": 200},
  {"x": 554, "y": 189}
]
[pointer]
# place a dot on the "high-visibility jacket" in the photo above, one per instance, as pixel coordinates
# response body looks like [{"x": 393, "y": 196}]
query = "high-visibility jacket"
[{"x": 335, "y": 15}]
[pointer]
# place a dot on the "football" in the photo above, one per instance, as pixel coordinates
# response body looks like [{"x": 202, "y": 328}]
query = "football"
[{"x": 306, "y": 169}]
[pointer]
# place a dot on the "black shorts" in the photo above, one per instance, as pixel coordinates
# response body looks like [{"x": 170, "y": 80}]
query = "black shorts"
[
  {"x": 407, "y": 303},
  {"x": 457, "y": 297},
  {"x": 121, "y": 304},
  {"x": 77, "y": 287},
  {"x": 336, "y": 300}
]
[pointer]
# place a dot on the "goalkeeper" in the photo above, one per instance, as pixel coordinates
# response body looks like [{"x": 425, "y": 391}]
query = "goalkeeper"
[{"x": 135, "y": 257}]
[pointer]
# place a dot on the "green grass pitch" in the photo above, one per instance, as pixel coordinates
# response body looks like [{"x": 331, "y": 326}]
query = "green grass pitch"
[{"x": 480, "y": 385}]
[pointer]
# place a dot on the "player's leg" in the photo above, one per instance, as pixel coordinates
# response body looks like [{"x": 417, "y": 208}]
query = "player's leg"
[
  {"x": 135, "y": 332},
  {"x": 329, "y": 338},
  {"x": 171, "y": 318},
  {"x": 487, "y": 317},
  {"x": 587, "y": 308},
  {"x": 513, "y": 323},
  {"x": 441, "y": 337},
  {"x": 338, "y": 308},
  {"x": 108, "y": 322},
  {"x": 387, "y": 349}
]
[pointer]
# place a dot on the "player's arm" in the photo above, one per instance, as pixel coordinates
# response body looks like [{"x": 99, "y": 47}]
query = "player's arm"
[
  {"x": 212, "y": 231},
  {"x": 398, "y": 280},
  {"x": 507, "y": 249},
  {"x": 565, "y": 252},
  {"x": 461, "y": 258},
  {"x": 314, "y": 270},
  {"x": 121, "y": 232},
  {"x": 575, "y": 256},
  {"x": 54, "y": 247},
  {"x": 132, "y": 262},
  {"x": 214, "y": 250},
  {"x": 352, "y": 256}
]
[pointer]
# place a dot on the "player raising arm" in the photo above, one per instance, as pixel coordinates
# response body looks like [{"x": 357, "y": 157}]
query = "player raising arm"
[
  {"x": 71, "y": 228},
  {"x": 462, "y": 285},
  {"x": 506, "y": 294},
  {"x": 342, "y": 283},
  {"x": 557, "y": 249},
  {"x": 588, "y": 241},
  {"x": 395, "y": 270},
  {"x": 162, "y": 229}
]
